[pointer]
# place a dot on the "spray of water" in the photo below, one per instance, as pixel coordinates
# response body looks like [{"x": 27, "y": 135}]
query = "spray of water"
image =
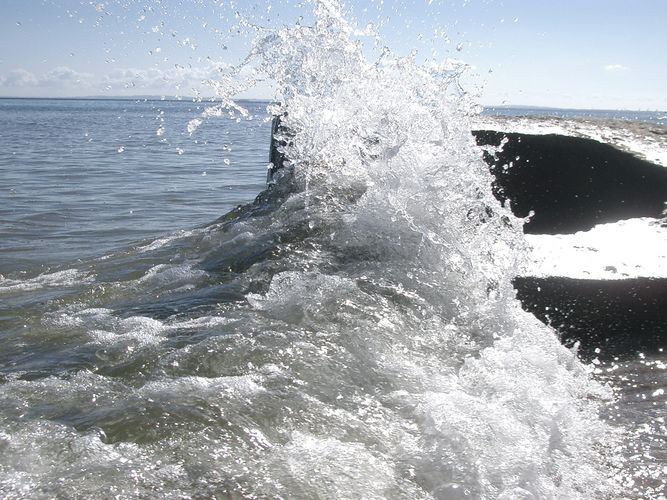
[{"x": 404, "y": 270}]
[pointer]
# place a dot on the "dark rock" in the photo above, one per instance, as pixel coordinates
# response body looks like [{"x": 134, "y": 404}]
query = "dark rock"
[
  {"x": 572, "y": 183},
  {"x": 617, "y": 316}
]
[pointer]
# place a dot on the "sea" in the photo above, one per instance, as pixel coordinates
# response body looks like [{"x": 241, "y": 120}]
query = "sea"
[
  {"x": 657, "y": 117},
  {"x": 84, "y": 177},
  {"x": 170, "y": 327}
]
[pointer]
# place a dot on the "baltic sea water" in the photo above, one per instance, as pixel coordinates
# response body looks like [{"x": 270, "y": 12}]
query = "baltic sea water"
[{"x": 81, "y": 179}]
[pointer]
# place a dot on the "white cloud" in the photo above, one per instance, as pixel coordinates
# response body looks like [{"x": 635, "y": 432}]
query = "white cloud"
[
  {"x": 63, "y": 76},
  {"x": 179, "y": 77},
  {"x": 616, "y": 67},
  {"x": 59, "y": 77},
  {"x": 19, "y": 78},
  {"x": 64, "y": 81}
]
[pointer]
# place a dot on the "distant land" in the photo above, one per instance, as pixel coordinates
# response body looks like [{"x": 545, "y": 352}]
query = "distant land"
[{"x": 147, "y": 97}]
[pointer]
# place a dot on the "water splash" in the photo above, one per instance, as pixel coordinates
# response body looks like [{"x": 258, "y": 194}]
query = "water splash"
[{"x": 407, "y": 253}]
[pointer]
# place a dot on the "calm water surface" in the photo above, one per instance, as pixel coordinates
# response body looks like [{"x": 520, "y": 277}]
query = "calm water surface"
[{"x": 81, "y": 177}]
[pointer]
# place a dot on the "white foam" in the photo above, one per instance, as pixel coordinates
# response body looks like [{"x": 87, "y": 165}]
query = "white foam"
[
  {"x": 65, "y": 278},
  {"x": 236, "y": 386},
  {"x": 78, "y": 317},
  {"x": 172, "y": 275},
  {"x": 166, "y": 240},
  {"x": 201, "y": 322},
  {"x": 624, "y": 249},
  {"x": 143, "y": 331}
]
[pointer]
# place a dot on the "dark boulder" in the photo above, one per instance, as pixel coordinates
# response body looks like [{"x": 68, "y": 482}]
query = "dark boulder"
[
  {"x": 571, "y": 183},
  {"x": 618, "y": 317}
]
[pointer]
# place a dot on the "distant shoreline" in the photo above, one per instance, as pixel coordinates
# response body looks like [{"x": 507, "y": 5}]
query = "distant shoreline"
[{"x": 487, "y": 108}]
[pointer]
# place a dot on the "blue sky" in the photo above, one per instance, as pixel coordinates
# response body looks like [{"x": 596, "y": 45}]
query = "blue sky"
[{"x": 606, "y": 54}]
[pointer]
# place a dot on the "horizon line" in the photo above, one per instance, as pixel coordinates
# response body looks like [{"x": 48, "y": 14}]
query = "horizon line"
[{"x": 203, "y": 100}]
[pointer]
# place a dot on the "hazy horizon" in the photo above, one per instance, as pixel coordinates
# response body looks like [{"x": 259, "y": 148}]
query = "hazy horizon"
[{"x": 204, "y": 100}]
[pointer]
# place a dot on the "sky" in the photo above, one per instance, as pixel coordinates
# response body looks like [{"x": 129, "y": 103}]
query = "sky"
[{"x": 589, "y": 54}]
